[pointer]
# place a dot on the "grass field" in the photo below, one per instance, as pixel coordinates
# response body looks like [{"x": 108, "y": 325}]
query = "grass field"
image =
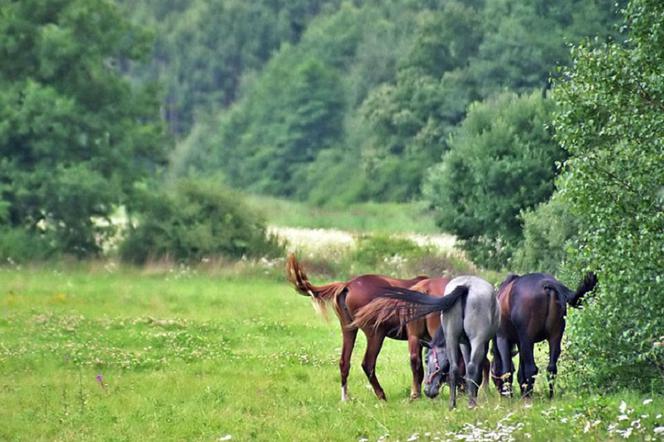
[
  {"x": 97, "y": 352},
  {"x": 360, "y": 217}
]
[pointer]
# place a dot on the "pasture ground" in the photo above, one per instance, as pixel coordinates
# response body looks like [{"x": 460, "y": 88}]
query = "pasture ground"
[{"x": 100, "y": 352}]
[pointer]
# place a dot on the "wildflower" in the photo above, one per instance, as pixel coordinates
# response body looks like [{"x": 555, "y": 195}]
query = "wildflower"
[
  {"x": 622, "y": 407},
  {"x": 226, "y": 437},
  {"x": 100, "y": 380},
  {"x": 659, "y": 430},
  {"x": 647, "y": 401}
]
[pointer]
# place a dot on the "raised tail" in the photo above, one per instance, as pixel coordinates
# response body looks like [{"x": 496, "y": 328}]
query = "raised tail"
[
  {"x": 320, "y": 295},
  {"x": 405, "y": 305},
  {"x": 574, "y": 298},
  {"x": 586, "y": 285}
]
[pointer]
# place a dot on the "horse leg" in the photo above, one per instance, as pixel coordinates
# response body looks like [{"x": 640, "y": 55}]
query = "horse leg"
[
  {"x": 474, "y": 369},
  {"x": 462, "y": 365},
  {"x": 554, "y": 354},
  {"x": 486, "y": 367},
  {"x": 507, "y": 369},
  {"x": 374, "y": 344},
  {"x": 415, "y": 349},
  {"x": 344, "y": 362},
  {"x": 527, "y": 367},
  {"x": 453, "y": 354}
]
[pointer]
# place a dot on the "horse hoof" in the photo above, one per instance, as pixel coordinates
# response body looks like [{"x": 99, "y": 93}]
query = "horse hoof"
[{"x": 414, "y": 397}]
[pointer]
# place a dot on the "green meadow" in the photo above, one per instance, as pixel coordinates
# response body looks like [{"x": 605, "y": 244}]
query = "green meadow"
[{"x": 100, "y": 352}]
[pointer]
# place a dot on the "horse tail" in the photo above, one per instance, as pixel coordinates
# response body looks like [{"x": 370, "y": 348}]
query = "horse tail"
[
  {"x": 405, "y": 305},
  {"x": 586, "y": 285},
  {"x": 320, "y": 295},
  {"x": 574, "y": 298}
]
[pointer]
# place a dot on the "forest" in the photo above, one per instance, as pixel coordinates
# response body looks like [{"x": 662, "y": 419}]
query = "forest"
[{"x": 531, "y": 131}]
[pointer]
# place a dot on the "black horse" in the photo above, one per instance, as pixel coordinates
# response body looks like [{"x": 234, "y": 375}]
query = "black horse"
[{"x": 532, "y": 309}]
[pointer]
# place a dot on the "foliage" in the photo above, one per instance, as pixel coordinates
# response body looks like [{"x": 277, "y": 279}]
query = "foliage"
[
  {"x": 501, "y": 161},
  {"x": 611, "y": 122},
  {"x": 548, "y": 232},
  {"x": 75, "y": 134},
  {"x": 18, "y": 245},
  {"x": 205, "y": 48},
  {"x": 400, "y": 75},
  {"x": 193, "y": 222}
]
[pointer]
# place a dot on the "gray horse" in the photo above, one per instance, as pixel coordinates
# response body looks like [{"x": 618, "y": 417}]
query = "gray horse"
[{"x": 469, "y": 323}]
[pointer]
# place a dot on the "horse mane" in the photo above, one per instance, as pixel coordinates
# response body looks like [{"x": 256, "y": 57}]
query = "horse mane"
[
  {"x": 405, "y": 305},
  {"x": 321, "y": 295}
]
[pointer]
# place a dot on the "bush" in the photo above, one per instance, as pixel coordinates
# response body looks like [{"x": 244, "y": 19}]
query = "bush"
[
  {"x": 18, "y": 245},
  {"x": 611, "y": 123},
  {"x": 196, "y": 220},
  {"x": 402, "y": 257},
  {"x": 547, "y": 233}
]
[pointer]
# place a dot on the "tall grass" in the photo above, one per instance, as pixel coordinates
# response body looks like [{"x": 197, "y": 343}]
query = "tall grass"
[{"x": 102, "y": 352}]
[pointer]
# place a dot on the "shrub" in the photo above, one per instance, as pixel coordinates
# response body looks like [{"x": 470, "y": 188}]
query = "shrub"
[
  {"x": 611, "y": 123},
  {"x": 19, "y": 245},
  {"x": 196, "y": 220},
  {"x": 547, "y": 233}
]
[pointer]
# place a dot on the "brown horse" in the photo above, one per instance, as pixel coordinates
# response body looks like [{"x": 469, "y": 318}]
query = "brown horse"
[
  {"x": 348, "y": 298},
  {"x": 532, "y": 309}
]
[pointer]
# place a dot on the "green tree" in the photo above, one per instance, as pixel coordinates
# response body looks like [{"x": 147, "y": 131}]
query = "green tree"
[
  {"x": 204, "y": 48},
  {"x": 74, "y": 134},
  {"x": 611, "y": 122},
  {"x": 500, "y": 162}
]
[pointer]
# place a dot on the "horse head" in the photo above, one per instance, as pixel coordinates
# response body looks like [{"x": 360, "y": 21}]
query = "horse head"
[{"x": 437, "y": 365}]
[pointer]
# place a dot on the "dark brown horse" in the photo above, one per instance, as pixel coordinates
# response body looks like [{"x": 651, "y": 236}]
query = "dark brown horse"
[
  {"x": 532, "y": 309},
  {"x": 347, "y": 298}
]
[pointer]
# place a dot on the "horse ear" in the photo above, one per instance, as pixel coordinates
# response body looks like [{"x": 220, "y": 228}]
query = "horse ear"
[{"x": 425, "y": 343}]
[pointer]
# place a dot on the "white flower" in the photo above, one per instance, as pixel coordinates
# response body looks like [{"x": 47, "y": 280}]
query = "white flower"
[
  {"x": 622, "y": 407},
  {"x": 413, "y": 437},
  {"x": 226, "y": 437},
  {"x": 622, "y": 417},
  {"x": 627, "y": 433},
  {"x": 659, "y": 430},
  {"x": 586, "y": 428},
  {"x": 647, "y": 401}
]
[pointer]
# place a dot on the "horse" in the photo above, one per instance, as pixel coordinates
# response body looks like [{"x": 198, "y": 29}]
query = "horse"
[
  {"x": 468, "y": 325},
  {"x": 532, "y": 309},
  {"x": 347, "y": 298}
]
